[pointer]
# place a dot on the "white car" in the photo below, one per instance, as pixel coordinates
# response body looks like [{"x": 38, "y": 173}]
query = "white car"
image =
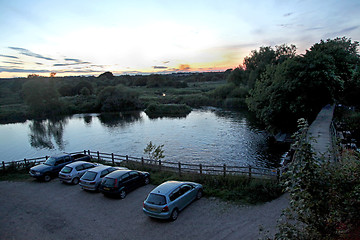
[
  {"x": 72, "y": 172},
  {"x": 91, "y": 179}
]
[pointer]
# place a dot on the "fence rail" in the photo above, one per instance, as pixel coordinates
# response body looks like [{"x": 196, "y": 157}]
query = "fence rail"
[{"x": 178, "y": 167}]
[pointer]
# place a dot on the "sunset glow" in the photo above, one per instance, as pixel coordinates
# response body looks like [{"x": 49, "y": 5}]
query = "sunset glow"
[{"x": 90, "y": 37}]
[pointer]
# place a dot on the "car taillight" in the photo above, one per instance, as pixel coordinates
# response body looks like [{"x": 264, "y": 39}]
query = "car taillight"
[
  {"x": 165, "y": 209},
  {"x": 115, "y": 184}
]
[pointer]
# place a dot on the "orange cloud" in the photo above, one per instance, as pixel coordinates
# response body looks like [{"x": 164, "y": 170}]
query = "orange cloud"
[{"x": 184, "y": 67}]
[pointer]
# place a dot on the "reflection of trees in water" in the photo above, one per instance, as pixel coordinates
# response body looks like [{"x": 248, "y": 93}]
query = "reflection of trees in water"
[
  {"x": 87, "y": 119},
  {"x": 120, "y": 119},
  {"x": 43, "y": 132}
]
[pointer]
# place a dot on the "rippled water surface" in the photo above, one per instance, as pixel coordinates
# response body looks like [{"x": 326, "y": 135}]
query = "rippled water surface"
[{"x": 208, "y": 136}]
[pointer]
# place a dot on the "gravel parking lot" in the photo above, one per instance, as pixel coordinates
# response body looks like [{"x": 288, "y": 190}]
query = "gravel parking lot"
[{"x": 39, "y": 210}]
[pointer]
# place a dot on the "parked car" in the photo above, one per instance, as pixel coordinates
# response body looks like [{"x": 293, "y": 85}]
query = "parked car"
[
  {"x": 169, "y": 198},
  {"x": 52, "y": 166},
  {"x": 72, "y": 172},
  {"x": 121, "y": 182},
  {"x": 92, "y": 178}
]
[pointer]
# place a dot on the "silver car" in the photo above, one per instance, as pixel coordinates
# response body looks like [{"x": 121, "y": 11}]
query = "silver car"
[
  {"x": 92, "y": 178},
  {"x": 72, "y": 172},
  {"x": 169, "y": 198}
]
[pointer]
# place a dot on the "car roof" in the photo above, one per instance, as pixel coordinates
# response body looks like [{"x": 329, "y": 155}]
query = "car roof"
[
  {"x": 99, "y": 168},
  {"x": 168, "y": 187},
  {"x": 118, "y": 173},
  {"x": 74, "y": 164}
]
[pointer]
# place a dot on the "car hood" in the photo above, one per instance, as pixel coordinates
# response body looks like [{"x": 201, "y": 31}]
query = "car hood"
[{"x": 41, "y": 168}]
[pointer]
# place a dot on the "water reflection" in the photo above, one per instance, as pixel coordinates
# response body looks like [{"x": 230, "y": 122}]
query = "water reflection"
[
  {"x": 121, "y": 119},
  {"x": 44, "y": 132},
  {"x": 87, "y": 119}
]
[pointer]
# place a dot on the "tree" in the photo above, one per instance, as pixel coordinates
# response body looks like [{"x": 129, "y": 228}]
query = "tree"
[
  {"x": 42, "y": 97},
  {"x": 300, "y": 86},
  {"x": 118, "y": 98},
  {"x": 323, "y": 196},
  {"x": 154, "y": 152},
  {"x": 108, "y": 75}
]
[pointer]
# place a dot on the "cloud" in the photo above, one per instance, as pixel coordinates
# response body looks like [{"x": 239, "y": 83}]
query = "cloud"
[
  {"x": 20, "y": 70},
  {"x": 8, "y": 56},
  {"x": 74, "y": 60},
  {"x": 18, "y": 63},
  {"x": 344, "y": 31},
  {"x": 160, "y": 67},
  {"x": 184, "y": 67},
  {"x": 27, "y": 52},
  {"x": 288, "y": 14}
]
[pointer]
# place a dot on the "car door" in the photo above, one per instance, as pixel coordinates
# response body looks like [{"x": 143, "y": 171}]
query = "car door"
[
  {"x": 125, "y": 181},
  {"x": 135, "y": 179},
  {"x": 59, "y": 164},
  {"x": 185, "y": 195},
  {"x": 80, "y": 170}
]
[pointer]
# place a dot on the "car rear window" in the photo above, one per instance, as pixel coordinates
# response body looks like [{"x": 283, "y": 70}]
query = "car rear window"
[
  {"x": 156, "y": 199},
  {"x": 89, "y": 176},
  {"x": 66, "y": 169},
  {"x": 108, "y": 182}
]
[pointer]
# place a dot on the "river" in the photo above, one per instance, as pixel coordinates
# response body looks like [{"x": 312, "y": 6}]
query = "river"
[{"x": 207, "y": 136}]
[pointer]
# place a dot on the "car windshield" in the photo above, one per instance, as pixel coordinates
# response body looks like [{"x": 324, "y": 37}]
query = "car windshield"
[
  {"x": 156, "y": 199},
  {"x": 66, "y": 169},
  {"x": 108, "y": 182},
  {"x": 50, "y": 161},
  {"x": 89, "y": 176}
]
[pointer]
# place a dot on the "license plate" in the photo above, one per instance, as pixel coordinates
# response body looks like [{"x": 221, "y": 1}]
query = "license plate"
[
  {"x": 152, "y": 209},
  {"x": 106, "y": 188}
]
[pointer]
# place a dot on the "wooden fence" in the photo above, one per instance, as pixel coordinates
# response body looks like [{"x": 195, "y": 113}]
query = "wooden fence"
[{"x": 178, "y": 167}]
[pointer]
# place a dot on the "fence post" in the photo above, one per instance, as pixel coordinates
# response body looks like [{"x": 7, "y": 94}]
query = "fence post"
[
  {"x": 278, "y": 175},
  {"x": 224, "y": 169},
  {"x": 98, "y": 156},
  {"x": 179, "y": 168},
  {"x": 89, "y": 152},
  {"x": 249, "y": 171},
  {"x": 127, "y": 159},
  {"x": 200, "y": 166},
  {"x": 84, "y": 151},
  {"x": 3, "y": 163},
  {"x": 26, "y": 164},
  {"x": 159, "y": 165},
  {"x": 142, "y": 161},
  {"x": 112, "y": 158},
  {"x": 46, "y": 157}
]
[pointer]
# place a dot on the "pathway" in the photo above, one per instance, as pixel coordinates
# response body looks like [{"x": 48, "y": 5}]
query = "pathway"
[{"x": 320, "y": 131}]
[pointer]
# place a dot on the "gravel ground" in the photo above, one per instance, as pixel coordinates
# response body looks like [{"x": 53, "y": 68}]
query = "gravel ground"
[{"x": 39, "y": 210}]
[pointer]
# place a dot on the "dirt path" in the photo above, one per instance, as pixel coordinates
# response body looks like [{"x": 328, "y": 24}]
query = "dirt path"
[{"x": 35, "y": 210}]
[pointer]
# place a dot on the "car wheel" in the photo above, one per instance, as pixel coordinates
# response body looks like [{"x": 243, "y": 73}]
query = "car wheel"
[
  {"x": 147, "y": 181},
  {"x": 199, "y": 194},
  {"x": 174, "y": 214},
  {"x": 75, "y": 181},
  {"x": 47, "y": 178},
  {"x": 122, "y": 194}
]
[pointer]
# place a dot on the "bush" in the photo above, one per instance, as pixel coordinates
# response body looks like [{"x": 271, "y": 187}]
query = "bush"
[
  {"x": 158, "y": 110},
  {"x": 119, "y": 98}
]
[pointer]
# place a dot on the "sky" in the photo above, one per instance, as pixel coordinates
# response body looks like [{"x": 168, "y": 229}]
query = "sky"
[{"x": 89, "y": 37}]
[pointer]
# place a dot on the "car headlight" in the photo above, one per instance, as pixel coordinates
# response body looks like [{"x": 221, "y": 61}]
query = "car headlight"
[{"x": 37, "y": 173}]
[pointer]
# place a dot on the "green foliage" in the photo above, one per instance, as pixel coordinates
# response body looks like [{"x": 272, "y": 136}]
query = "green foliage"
[
  {"x": 299, "y": 86},
  {"x": 154, "y": 152},
  {"x": 158, "y": 110},
  {"x": 119, "y": 98},
  {"x": 324, "y": 196},
  {"x": 42, "y": 97}
]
